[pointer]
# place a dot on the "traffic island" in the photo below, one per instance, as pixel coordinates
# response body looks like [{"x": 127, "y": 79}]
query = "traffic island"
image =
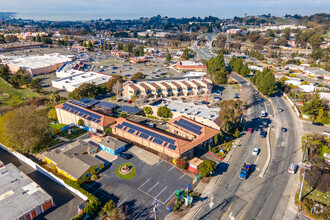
[{"x": 126, "y": 171}]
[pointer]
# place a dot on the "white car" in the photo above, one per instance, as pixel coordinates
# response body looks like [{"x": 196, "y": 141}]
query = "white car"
[
  {"x": 293, "y": 168},
  {"x": 255, "y": 151}
]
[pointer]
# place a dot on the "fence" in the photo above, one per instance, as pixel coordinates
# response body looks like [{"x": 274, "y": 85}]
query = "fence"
[{"x": 43, "y": 171}]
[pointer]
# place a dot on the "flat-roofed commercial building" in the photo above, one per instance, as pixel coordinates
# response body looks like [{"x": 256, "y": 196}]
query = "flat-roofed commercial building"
[
  {"x": 119, "y": 54},
  {"x": 78, "y": 78},
  {"x": 20, "y": 197},
  {"x": 196, "y": 111},
  {"x": 36, "y": 65},
  {"x": 71, "y": 111},
  {"x": 167, "y": 87},
  {"x": 183, "y": 137},
  {"x": 191, "y": 66}
]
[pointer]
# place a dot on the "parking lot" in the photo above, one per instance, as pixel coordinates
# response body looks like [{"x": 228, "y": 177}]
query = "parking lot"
[{"x": 157, "y": 181}]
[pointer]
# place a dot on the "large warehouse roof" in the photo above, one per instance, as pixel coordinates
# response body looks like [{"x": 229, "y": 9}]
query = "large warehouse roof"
[{"x": 19, "y": 195}]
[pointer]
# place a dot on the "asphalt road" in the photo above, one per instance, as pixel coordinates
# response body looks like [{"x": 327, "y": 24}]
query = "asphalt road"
[{"x": 257, "y": 197}]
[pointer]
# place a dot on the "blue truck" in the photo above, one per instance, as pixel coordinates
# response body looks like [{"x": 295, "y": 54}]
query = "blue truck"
[{"x": 245, "y": 171}]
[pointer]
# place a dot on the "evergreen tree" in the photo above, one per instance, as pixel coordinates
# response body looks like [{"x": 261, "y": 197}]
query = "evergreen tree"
[{"x": 245, "y": 70}]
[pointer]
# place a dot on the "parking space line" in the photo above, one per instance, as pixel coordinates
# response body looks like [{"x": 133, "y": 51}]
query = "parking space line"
[
  {"x": 171, "y": 169},
  {"x": 145, "y": 183},
  {"x": 91, "y": 185},
  {"x": 182, "y": 176},
  {"x": 121, "y": 202},
  {"x": 159, "y": 162},
  {"x": 160, "y": 192},
  {"x": 153, "y": 187},
  {"x": 150, "y": 196},
  {"x": 169, "y": 197}
]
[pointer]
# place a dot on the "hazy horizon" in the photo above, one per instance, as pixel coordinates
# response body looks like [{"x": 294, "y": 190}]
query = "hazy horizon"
[{"x": 61, "y": 10}]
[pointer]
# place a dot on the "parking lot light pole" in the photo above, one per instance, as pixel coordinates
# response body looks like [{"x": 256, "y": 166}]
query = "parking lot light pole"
[{"x": 155, "y": 209}]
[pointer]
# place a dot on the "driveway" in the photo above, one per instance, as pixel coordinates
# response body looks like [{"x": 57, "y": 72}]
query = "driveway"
[{"x": 137, "y": 195}]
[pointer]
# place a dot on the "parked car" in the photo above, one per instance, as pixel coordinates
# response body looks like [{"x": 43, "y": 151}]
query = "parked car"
[
  {"x": 293, "y": 168},
  {"x": 250, "y": 130},
  {"x": 317, "y": 123},
  {"x": 255, "y": 151},
  {"x": 284, "y": 129},
  {"x": 125, "y": 156},
  {"x": 280, "y": 110},
  {"x": 263, "y": 134},
  {"x": 129, "y": 101},
  {"x": 236, "y": 96}
]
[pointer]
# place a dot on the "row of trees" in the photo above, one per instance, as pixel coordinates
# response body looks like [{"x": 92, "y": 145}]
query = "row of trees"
[
  {"x": 265, "y": 81},
  {"x": 217, "y": 69},
  {"x": 236, "y": 64},
  {"x": 8, "y": 38},
  {"x": 316, "y": 109}
]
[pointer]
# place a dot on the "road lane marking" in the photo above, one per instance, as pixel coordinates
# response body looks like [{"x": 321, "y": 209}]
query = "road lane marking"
[
  {"x": 160, "y": 192},
  {"x": 182, "y": 176},
  {"x": 169, "y": 197},
  {"x": 170, "y": 169},
  {"x": 145, "y": 183},
  {"x": 153, "y": 187},
  {"x": 257, "y": 160},
  {"x": 227, "y": 211}
]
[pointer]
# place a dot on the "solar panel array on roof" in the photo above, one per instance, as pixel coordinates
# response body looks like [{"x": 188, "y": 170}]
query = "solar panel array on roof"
[
  {"x": 146, "y": 134},
  {"x": 189, "y": 126},
  {"x": 107, "y": 105},
  {"x": 76, "y": 102},
  {"x": 129, "y": 109},
  {"x": 89, "y": 101},
  {"x": 82, "y": 112}
]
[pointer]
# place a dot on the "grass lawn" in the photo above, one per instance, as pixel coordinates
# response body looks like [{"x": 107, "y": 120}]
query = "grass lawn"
[
  {"x": 128, "y": 176},
  {"x": 316, "y": 195},
  {"x": 9, "y": 94},
  {"x": 77, "y": 133},
  {"x": 57, "y": 126}
]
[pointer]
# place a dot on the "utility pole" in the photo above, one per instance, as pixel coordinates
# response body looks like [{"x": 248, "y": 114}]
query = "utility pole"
[
  {"x": 155, "y": 209},
  {"x": 303, "y": 180}
]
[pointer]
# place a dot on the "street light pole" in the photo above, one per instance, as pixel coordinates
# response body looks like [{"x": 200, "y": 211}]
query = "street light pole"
[
  {"x": 155, "y": 209},
  {"x": 302, "y": 185}
]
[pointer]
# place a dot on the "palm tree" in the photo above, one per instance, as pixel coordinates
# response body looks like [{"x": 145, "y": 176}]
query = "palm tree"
[{"x": 54, "y": 97}]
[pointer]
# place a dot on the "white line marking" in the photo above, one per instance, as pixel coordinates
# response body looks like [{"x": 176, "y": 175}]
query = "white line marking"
[
  {"x": 257, "y": 159},
  {"x": 150, "y": 196},
  {"x": 122, "y": 202},
  {"x": 160, "y": 192},
  {"x": 145, "y": 183},
  {"x": 169, "y": 197},
  {"x": 170, "y": 169},
  {"x": 182, "y": 176},
  {"x": 91, "y": 185},
  {"x": 159, "y": 162},
  {"x": 153, "y": 187}
]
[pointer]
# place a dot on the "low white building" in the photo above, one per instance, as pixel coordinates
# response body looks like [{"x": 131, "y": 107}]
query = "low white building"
[
  {"x": 194, "y": 74},
  {"x": 36, "y": 65},
  {"x": 72, "y": 82}
]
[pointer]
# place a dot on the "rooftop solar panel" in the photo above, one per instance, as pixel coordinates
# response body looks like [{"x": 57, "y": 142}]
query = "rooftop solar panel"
[
  {"x": 88, "y": 101},
  {"x": 129, "y": 109},
  {"x": 106, "y": 105}
]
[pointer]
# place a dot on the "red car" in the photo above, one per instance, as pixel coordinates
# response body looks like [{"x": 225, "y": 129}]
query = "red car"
[
  {"x": 129, "y": 101},
  {"x": 250, "y": 130},
  {"x": 141, "y": 69}
]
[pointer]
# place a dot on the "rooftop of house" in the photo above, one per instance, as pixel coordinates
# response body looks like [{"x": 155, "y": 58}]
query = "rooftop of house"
[
  {"x": 18, "y": 193},
  {"x": 74, "y": 158},
  {"x": 112, "y": 143}
]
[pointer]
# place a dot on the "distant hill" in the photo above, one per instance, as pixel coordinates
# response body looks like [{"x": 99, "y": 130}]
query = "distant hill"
[{"x": 7, "y": 15}]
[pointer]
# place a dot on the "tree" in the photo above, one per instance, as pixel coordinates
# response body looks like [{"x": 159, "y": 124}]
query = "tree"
[
  {"x": 164, "y": 112},
  {"x": 25, "y": 129},
  {"x": 114, "y": 79},
  {"x": 139, "y": 51},
  {"x": 18, "y": 80},
  {"x": 109, "y": 206},
  {"x": 2, "y": 39},
  {"x": 185, "y": 54},
  {"x": 54, "y": 97},
  {"x": 35, "y": 84},
  {"x": 168, "y": 57},
  {"x": 286, "y": 33},
  {"x": 181, "y": 163},
  {"x": 245, "y": 70},
  {"x": 4, "y": 71},
  {"x": 120, "y": 46},
  {"x": 230, "y": 114},
  {"x": 87, "y": 90},
  {"x": 206, "y": 167},
  {"x": 128, "y": 47},
  {"x": 247, "y": 95},
  {"x": 11, "y": 38},
  {"x": 315, "y": 40},
  {"x": 147, "y": 110},
  {"x": 138, "y": 75},
  {"x": 265, "y": 81},
  {"x": 313, "y": 106},
  {"x": 217, "y": 69},
  {"x": 118, "y": 214},
  {"x": 52, "y": 114},
  {"x": 81, "y": 122},
  {"x": 117, "y": 88}
]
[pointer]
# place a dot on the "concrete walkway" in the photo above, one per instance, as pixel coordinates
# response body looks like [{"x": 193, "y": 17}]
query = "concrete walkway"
[{"x": 62, "y": 138}]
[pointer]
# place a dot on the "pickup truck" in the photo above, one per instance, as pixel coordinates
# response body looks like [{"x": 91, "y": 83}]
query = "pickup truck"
[{"x": 245, "y": 171}]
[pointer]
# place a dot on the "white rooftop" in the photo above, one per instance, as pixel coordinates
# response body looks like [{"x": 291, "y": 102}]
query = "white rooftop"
[
  {"x": 35, "y": 61},
  {"x": 194, "y": 74},
  {"x": 191, "y": 63},
  {"x": 191, "y": 108}
]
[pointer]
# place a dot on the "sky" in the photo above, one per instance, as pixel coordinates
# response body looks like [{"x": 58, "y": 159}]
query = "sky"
[{"x": 131, "y": 9}]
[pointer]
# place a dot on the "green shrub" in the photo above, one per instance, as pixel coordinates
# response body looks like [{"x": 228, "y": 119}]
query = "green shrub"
[{"x": 175, "y": 208}]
